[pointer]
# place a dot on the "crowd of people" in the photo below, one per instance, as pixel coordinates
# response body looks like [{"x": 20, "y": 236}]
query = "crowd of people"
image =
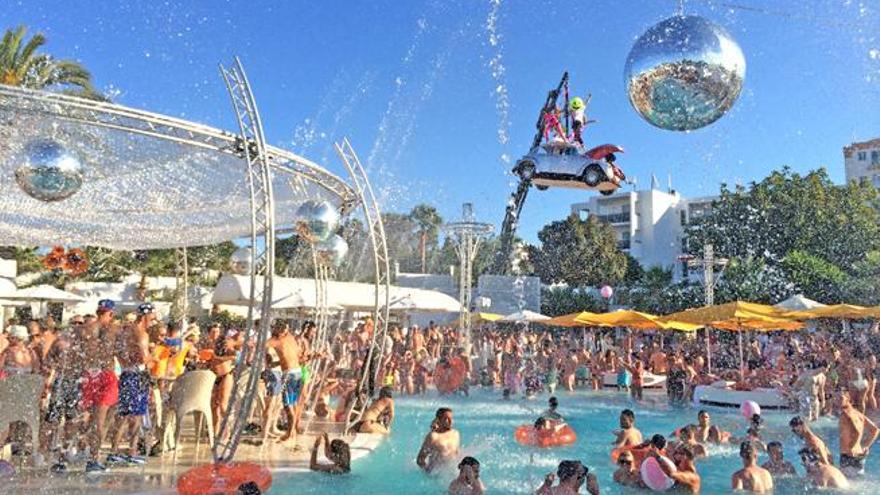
[{"x": 106, "y": 375}]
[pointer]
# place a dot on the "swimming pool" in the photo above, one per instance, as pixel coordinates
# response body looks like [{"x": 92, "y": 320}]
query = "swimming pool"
[{"x": 486, "y": 424}]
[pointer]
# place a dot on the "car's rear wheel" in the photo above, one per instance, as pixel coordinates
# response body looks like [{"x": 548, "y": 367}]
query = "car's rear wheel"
[
  {"x": 542, "y": 188},
  {"x": 525, "y": 169},
  {"x": 593, "y": 175},
  {"x": 607, "y": 193}
]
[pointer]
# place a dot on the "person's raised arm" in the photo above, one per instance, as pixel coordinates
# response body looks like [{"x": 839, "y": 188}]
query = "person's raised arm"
[
  {"x": 871, "y": 433},
  {"x": 424, "y": 452}
]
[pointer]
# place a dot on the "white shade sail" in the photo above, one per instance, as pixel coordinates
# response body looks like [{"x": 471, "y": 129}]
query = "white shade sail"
[
  {"x": 290, "y": 293},
  {"x": 45, "y": 293},
  {"x": 524, "y": 316},
  {"x": 798, "y": 302}
]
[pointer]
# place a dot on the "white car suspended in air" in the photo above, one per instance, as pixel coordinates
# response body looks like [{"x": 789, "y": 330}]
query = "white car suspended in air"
[{"x": 560, "y": 164}]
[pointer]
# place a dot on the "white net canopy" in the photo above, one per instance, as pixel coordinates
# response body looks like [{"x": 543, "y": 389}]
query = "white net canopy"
[{"x": 148, "y": 181}]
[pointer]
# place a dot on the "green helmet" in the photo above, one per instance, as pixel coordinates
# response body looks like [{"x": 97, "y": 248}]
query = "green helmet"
[{"x": 576, "y": 103}]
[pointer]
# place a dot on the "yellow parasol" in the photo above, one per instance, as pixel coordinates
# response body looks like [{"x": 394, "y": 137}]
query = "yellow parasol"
[
  {"x": 636, "y": 320},
  {"x": 569, "y": 320},
  {"x": 842, "y": 311},
  {"x": 481, "y": 318},
  {"x": 735, "y": 316}
]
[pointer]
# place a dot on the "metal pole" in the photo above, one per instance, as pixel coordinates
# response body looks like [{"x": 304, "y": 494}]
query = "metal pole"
[{"x": 709, "y": 287}]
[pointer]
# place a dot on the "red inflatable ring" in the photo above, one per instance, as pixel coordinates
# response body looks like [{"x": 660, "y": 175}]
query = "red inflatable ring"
[
  {"x": 449, "y": 376},
  {"x": 528, "y": 435},
  {"x": 223, "y": 479}
]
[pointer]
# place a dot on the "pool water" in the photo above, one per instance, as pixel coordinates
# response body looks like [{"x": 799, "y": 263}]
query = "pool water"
[{"x": 487, "y": 422}]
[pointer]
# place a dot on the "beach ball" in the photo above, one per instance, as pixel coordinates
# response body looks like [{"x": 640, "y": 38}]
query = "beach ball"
[
  {"x": 333, "y": 250},
  {"x": 240, "y": 261},
  {"x": 317, "y": 220},
  {"x": 7, "y": 470},
  {"x": 684, "y": 73},
  {"x": 606, "y": 291},
  {"x": 49, "y": 172},
  {"x": 749, "y": 408}
]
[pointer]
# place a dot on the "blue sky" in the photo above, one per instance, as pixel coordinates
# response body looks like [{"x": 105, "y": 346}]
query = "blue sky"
[{"x": 413, "y": 85}]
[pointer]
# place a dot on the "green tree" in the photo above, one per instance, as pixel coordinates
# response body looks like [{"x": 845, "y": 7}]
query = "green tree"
[
  {"x": 428, "y": 220},
  {"x": 579, "y": 252},
  {"x": 21, "y": 64},
  {"x": 788, "y": 212},
  {"x": 563, "y": 300},
  {"x": 815, "y": 277}
]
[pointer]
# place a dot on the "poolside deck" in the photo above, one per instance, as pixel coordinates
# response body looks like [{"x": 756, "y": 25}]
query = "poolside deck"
[{"x": 159, "y": 474}]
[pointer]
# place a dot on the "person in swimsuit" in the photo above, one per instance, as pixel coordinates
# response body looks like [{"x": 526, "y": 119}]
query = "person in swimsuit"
[
  {"x": 751, "y": 478},
  {"x": 572, "y": 476},
  {"x": 777, "y": 465},
  {"x": 628, "y": 435},
  {"x": 337, "y": 451},
  {"x": 468, "y": 481},
  {"x": 627, "y": 473},
  {"x": 379, "y": 416},
  {"x": 820, "y": 474},
  {"x": 288, "y": 350},
  {"x": 96, "y": 341},
  {"x": 857, "y": 434},
  {"x": 132, "y": 350},
  {"x": 272, "y": 380},
  {"x": 811, "y": 440},
  {"x": 18, "y": 358},
  {"x": 441, "y": 444}
]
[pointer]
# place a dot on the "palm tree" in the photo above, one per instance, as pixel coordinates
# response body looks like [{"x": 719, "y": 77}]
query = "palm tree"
[
  {"x": 21, "y": 65},
  {"x": 429, "y": 221}
]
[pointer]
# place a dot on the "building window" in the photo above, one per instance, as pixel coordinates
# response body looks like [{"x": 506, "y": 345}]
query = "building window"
[
  {"x": 863, "y": 156},
  {"x": 875, "y": 157},
  {"x": 683, "y": 217},
  {"x": 877, "y": 181}
]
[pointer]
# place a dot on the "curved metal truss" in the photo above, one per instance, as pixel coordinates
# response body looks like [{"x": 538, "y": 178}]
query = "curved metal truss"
[
  {"x": 381, "y": 281},
  {"x": 126, "y": 119},
  {"x": 248, "y": 367}
]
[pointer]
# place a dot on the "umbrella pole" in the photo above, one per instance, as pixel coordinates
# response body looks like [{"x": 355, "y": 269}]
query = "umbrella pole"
[
  {"x": 708, "y": 351},
  {"x": 741, "y": 360}
]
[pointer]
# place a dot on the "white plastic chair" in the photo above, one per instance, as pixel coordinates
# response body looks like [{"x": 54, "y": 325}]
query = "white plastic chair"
[
  {"x": 20, "y": 401},
  {"x": 192, "y": 394}
]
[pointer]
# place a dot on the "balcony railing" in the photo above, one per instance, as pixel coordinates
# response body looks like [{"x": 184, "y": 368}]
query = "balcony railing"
[{"x": 615, "y": 217}]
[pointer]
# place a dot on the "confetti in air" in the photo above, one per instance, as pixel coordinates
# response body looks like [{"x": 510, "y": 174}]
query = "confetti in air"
[{"x": 498, "y": 71}]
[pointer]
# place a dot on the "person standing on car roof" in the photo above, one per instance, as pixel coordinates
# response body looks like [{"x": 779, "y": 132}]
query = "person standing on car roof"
[{"x": 578, "y": 110}]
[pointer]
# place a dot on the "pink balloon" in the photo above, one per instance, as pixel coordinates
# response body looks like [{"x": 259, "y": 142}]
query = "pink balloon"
[{"x": 606, "y": 291}]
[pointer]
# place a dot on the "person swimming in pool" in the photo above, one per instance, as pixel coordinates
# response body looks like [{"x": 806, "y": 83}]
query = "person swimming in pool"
[
  {"x": 441, "y": 445},
  {"x": 628, "y": 435},
  {"x": 468, "y": 481},
  {"x": 379, "y": 416}
]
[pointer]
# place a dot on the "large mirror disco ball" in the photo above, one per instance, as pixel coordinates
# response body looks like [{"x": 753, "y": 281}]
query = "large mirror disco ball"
[
  {"x": 317, "y": 220},
  {"x": 684, "y": 73},
  {"x": 50, "y": 172},
  {"x": 240, "y": 261},
  {"x": 333, "y": 250}
]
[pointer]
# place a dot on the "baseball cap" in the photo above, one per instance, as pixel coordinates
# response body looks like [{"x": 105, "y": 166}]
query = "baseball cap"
[
  {"x": 106, "y": 305},
  {"x": 19, "y": 332},
  {"x": 145, "y": 309}
]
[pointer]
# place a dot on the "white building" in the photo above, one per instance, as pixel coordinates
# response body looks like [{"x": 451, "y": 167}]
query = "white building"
[
  {"x": 649, "y": 224},
  {"x": 862, "y": 161}
]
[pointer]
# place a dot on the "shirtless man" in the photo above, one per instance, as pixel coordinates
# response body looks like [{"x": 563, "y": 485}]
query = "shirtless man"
[
  {"x": 18, "y": 358},
  {"x": 441, "y": 444},
  {"x": 685, "y": 477},
  {"x": 468, "y": 481},
  {"x": 658, "y": 361},
  {"x": 752, "y": 477},
  {"x": 132, "y": 350},
  {"x": 288, "y": 350},
  {"x": 378, "y": 417},
  {"x": 569, "y": 368},
  {"x": 628, "y": 435},
  {"x": 572, "y": 475},
  {"x": 811, "y": 440},
  {"x": 857, "y": 434},
  {"x": 777, "y": 465},
  {"x": 707, "y": 432},
  {"x": 272, "y": 378},
  {"x": 64, "y": 362},
  {"x": 820, "y": 474},
  {"x": 99, "y": 386},
  {"x": 627, "y": 473},
  {"x": 688, "y": 436}
]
